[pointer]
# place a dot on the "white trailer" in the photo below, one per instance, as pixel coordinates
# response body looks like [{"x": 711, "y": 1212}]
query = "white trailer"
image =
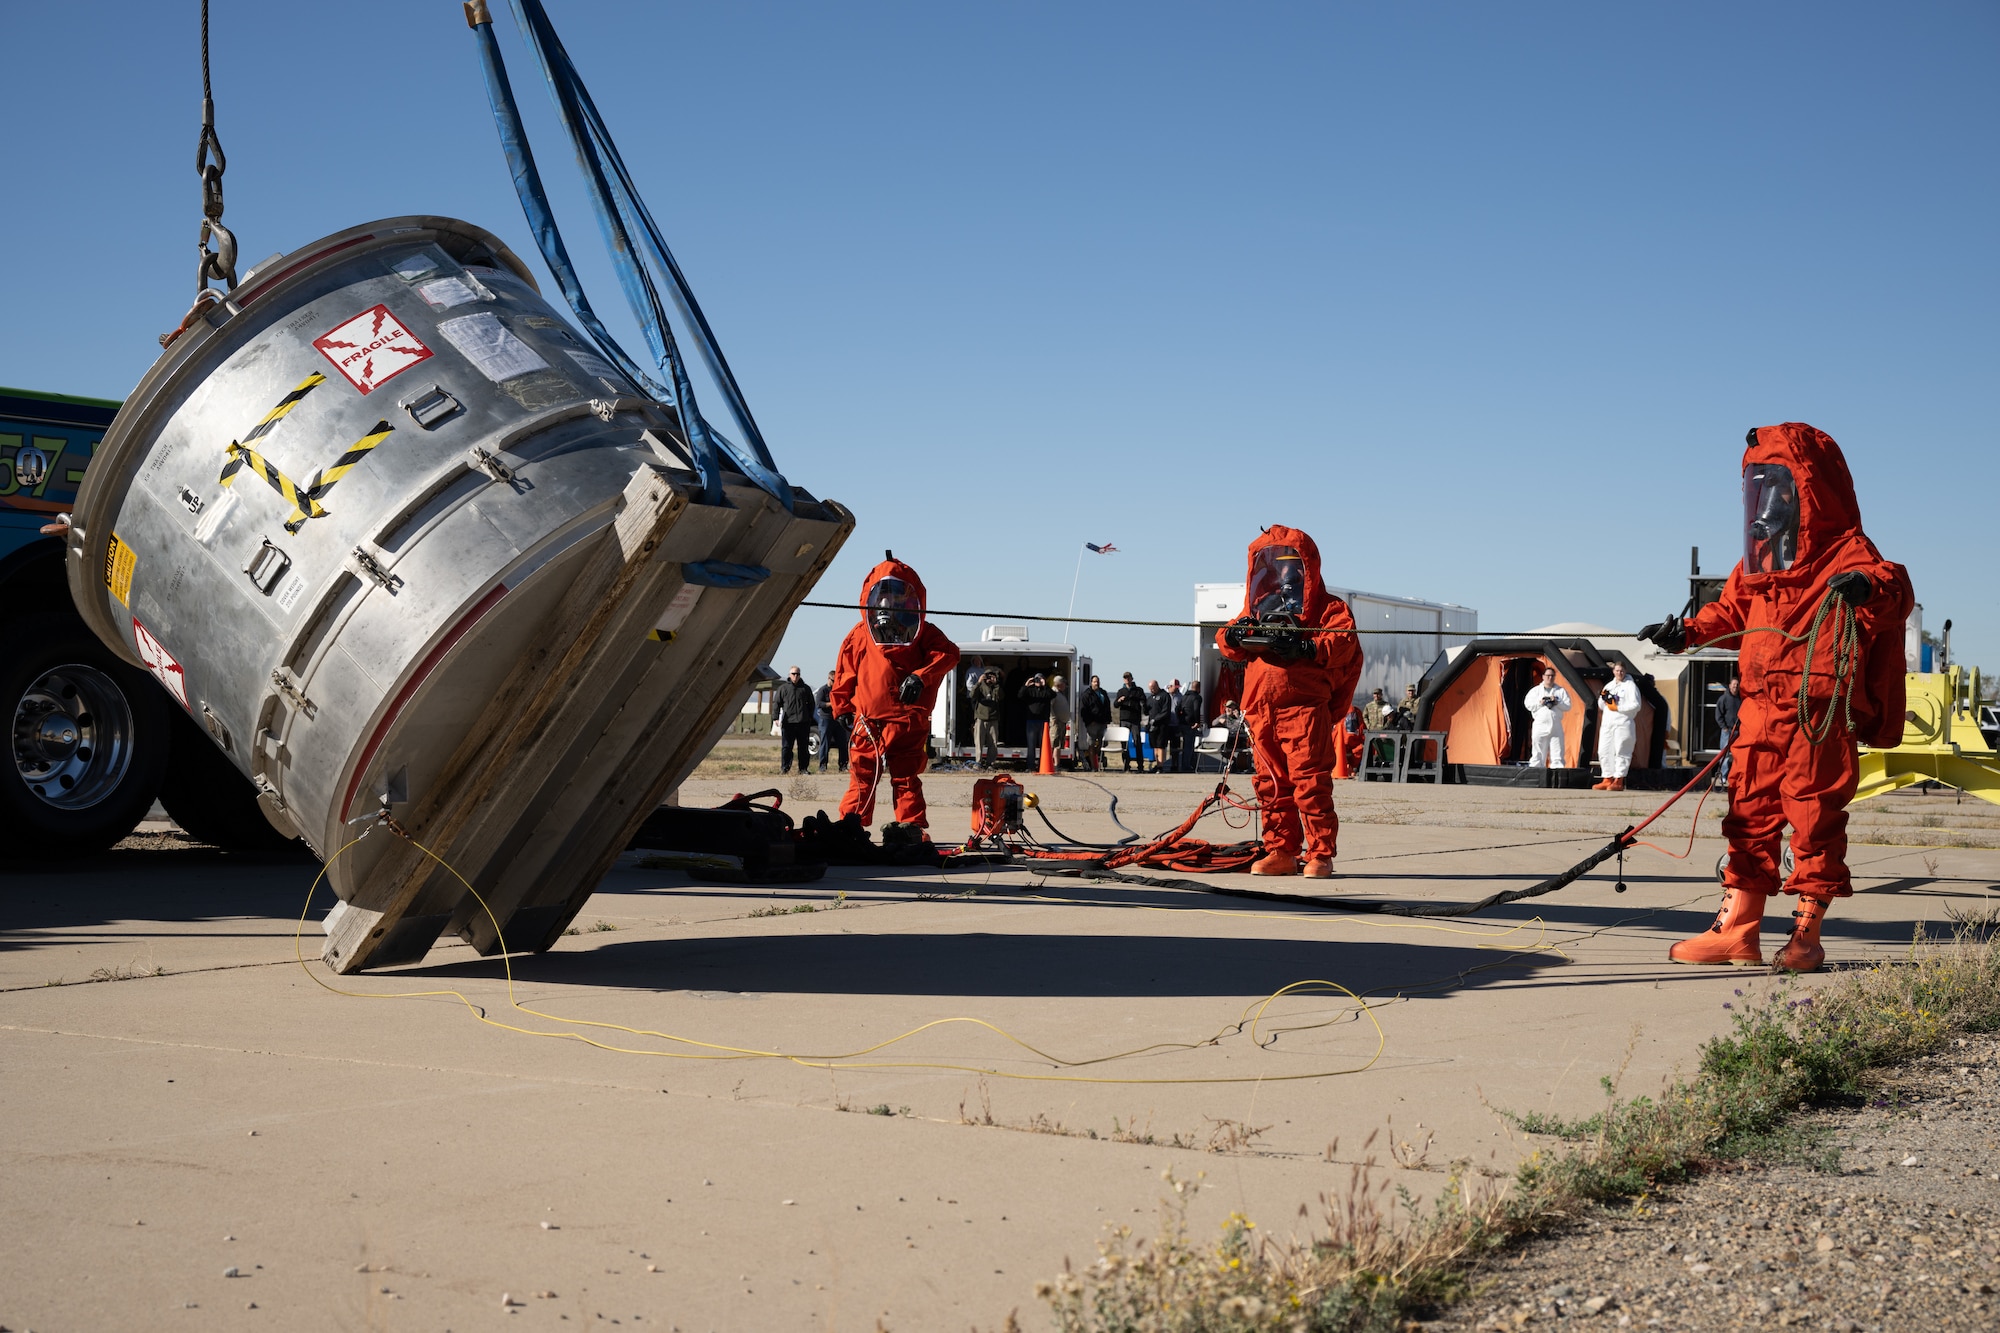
[
  {"x": 1008, "y": 649},
  {"x": 1421, "y": 632}
]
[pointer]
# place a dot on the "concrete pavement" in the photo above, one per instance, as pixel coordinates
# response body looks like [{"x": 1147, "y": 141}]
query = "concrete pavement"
[{"x": 777, "y": 1140}]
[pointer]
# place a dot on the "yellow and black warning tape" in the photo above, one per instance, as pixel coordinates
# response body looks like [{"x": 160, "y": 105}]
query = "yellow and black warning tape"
[
  {"x": 304, "y": 504},
  {"x": 304, "y": 500},
  {"x": 324, "y": 479}
]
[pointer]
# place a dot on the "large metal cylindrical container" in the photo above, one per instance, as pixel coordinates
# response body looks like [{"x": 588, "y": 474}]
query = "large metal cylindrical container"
[{"x": 402, "y": 544}]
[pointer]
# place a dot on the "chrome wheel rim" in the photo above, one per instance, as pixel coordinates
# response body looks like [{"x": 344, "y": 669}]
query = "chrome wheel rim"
[{"x": 72, "y": 736}]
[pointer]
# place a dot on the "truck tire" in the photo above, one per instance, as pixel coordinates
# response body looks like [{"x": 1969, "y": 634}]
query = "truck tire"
[
  {"x": 87, "y": 740},
  {"x": 212, "y": 801}
]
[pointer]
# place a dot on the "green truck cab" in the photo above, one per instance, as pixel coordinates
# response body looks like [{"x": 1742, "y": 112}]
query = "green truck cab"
[{"x": 92, "y": 741}]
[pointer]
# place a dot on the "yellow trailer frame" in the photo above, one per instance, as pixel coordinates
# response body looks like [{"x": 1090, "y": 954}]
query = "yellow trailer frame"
[{"x": 1941, "y": 740}]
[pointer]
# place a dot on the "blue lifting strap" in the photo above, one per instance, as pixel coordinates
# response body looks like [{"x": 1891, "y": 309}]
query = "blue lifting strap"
[{"x": 620, "y": 213}]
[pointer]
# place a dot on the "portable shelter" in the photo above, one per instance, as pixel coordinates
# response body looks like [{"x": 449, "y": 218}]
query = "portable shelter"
[{"x": 1476, "y": 698}]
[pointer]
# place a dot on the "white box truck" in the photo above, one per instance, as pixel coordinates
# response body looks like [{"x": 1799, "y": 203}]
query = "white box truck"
[{"x": 1009, "y": 650}]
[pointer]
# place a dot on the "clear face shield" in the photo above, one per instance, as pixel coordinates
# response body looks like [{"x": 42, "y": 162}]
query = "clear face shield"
[
  {"x": 894, "y": 613},
  {"x": 1278, "y": 584},
  {"x": 1770, "y": 518}
]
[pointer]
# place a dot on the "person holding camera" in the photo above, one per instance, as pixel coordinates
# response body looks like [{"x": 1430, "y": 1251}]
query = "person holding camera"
[
  {"x": 1546, "y": 703},
  {"x": 1617, "y": 729},
  {"x": 989, "y": 705},
  {"x": 1302, "y": 661},
  {"x": 1035, "y": 696}
]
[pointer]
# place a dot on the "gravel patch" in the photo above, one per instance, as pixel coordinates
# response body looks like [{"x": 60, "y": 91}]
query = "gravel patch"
[{"x": 1890, "y": 1222}]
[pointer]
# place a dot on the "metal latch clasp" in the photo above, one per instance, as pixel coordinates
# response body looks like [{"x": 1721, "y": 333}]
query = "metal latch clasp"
[
  {"x": 367, "y": 565},
  {"x": 282, "y": 680},
  {"x": 433, "y": 407},
  {"x": 492, "y": 465}
]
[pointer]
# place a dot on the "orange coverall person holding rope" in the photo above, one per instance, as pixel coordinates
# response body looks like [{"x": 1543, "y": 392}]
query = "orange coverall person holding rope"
[
  {"x": 885, "y": 684},
  {"x": 1818, "y": 616},
  {"x": 1296, "y": 685}
]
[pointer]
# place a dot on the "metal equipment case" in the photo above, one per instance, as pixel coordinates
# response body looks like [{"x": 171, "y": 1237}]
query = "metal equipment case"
[{"x": 384, "y": 525}]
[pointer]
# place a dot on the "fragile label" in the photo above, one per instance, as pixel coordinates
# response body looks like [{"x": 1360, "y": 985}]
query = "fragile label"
[
  {"x": 160, "y": 662},
  {"x": 119, "y": 562},
  {"x": 491, "y": 346},
  {"x": 371, "y": 349}
]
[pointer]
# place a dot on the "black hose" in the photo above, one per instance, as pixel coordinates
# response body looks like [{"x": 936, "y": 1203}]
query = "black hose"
[{"x": 1102, "y": 846}]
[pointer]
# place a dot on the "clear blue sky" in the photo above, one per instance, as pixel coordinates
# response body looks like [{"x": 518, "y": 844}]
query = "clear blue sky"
[{"x": 1484, "y": 297}]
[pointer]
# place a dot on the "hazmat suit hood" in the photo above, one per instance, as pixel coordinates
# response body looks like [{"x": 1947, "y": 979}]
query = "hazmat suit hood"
[
  {"x": 888, "y": 575},
  {"x": 1829, "y": 515},
  {"x": 1317, "y": 600}
]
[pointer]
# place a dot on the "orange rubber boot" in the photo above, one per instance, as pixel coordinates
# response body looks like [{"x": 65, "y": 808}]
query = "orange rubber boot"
[
  {"x": 1802, "y": 952},
  {"x": 1733, "y": 937},
  {"x": 1319, "y": 867},
  {"x": 1275, "y": 863}
]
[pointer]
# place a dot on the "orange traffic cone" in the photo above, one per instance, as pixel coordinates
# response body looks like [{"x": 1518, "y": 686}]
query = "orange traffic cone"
[
  {"x": 1341, "y": 767},
  {"x": 1048, "y": 751}
]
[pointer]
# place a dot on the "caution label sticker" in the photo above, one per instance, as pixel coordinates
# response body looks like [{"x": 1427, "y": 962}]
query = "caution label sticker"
[
  {"x": 119, "y": 562},
  {"x": 371, "y": 349},
  {"x": 160, "y": 662}
]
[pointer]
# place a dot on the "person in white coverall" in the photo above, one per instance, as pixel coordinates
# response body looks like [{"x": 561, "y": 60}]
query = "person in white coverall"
[
  {"x": 1546, "y": 703},
  {"x": 1617, "y": 729}
]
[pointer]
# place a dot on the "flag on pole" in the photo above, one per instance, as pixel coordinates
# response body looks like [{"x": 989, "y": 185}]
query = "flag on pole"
[{"x": 1106, "y": 549}]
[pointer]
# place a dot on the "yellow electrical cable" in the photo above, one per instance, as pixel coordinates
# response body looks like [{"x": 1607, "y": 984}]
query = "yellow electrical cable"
[{"x": 849, "y": 1060}]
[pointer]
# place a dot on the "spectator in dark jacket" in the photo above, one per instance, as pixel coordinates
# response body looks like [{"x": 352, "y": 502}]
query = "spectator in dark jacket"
[
  {"x": 1093, "y": 713},
  {"x": 1130, "y": 704},
  {"x": 1035, "y": 696},
  {"x": 1159, "y": 724},
  {"x": 832, "y": 736},
  {"x": 1728, "y": 706},
  {"x": 793, "y": 703},
  {"x": 989, "y": 706},
  {"x": 1188, "y": 714}
]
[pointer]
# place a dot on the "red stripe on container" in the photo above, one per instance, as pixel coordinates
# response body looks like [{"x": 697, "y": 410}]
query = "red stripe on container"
[
  {"x": 263, "y": 284},
  {"x": 417, "y": 677}
]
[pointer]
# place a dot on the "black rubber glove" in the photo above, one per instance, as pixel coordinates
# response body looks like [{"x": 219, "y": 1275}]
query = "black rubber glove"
[
  {"x": 846, "y": 721},
  {"x": 1852, "y": 586},
  {"x": 1669, "y": 634},
  {"x": 911, "y": 690},
  {"x": 1233, "y": 635},
  {"x": 1293, "y": 646}
]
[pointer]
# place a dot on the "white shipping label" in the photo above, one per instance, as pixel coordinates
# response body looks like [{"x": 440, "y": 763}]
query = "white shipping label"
[
  {"x": 680, "y": 608},
  {"x": 288, "y": 596},
  {"x": 444, "y": 293},
  {"x": 602, "y": 369},
  {"x": 415, "y": 266},
  {"x": 489, "y": 345}
]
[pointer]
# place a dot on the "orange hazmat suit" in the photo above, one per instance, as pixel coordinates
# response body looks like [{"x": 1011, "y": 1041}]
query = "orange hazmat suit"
[
  {"x": 887, "y": 676},
  {"x": 1294, "y": 693},
  {"x": 1803, "y": 537}
]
